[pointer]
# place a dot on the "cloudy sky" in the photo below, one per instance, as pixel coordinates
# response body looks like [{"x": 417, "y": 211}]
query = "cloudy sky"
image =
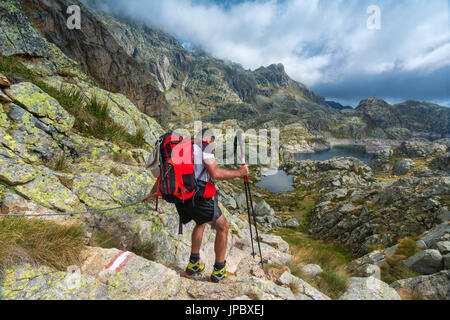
[{"x": 342, "y": 49}]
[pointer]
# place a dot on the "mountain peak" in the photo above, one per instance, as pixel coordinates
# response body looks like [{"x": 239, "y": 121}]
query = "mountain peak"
[{"x": 372, "y": 101}]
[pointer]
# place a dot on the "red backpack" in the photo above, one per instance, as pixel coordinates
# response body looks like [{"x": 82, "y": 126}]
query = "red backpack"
[{"x": 177, "y": 181}]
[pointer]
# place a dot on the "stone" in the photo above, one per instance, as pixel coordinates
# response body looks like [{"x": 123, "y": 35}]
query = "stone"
[
  {"x": 275, "y": 241},
  {"x": 4, "y": 82},
  {"x": 358, "y": 266},
  {"x": 4, "y": 98},
  {"x": 304, "y": 289},
  {"x": 425, "y": 262},
  {"x": 446, "y": 259},
  {"x": 273, "y": 221},
  {"x": 40, "y": 104},
  {"x": 292, "y": 223},
  {"x": 443, "y": 247},
  {"x": 391, "y": 250},
  {"x": 311, "y": 270},
  {"x": 430, "y": 287},
  {"x": 431, "y": 237},
  {"x": 229, "y": 202},
  {"x": 27, "y": 282},
  {"x": 369, "y": 288},
  {"x": 403, "y": 166},
  {"x": 47, "y": 190},
  {"x": 240, "y": 201},
  {"x": 15, "y": 172},
  {"x": 263, "y": 209},
  {"x": 421, "y": 244},
  {"x": 146, "y": 279}
]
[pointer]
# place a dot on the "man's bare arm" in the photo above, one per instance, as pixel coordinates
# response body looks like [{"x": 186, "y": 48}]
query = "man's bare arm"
[{"x": 217, "y": 173}]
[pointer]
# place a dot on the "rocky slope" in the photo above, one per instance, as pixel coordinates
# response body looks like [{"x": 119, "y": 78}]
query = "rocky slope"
[{"x": 362, "y": 209}]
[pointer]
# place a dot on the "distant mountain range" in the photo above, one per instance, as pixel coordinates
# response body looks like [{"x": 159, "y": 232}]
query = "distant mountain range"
[
  {"x": 337, "y": 105},
  {"x": 177, "y": 86}
]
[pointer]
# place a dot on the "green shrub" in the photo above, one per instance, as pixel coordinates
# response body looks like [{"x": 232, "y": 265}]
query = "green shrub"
[{"x": 407, "y": 247}]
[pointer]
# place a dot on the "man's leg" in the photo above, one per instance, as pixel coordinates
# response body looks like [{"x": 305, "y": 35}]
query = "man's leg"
[
  {"x": 195, "y": 265},
  {"x": 197, "y": 236},
  {"x": 220, "y": 244}
]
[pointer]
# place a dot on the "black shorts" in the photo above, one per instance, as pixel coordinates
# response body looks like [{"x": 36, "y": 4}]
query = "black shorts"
[{"x": 201, "y": 211}]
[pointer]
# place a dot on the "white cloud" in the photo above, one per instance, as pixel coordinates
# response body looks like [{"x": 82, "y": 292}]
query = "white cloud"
[
  {"x": 429, "y": 61},
  {"x": 318, "y": 41}
]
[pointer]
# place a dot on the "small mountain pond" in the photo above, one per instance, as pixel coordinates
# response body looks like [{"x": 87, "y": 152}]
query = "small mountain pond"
[{"x": 278, "y": 180}]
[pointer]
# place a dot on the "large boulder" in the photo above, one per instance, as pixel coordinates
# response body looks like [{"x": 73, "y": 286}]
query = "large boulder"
[
  {"x": 292, "y": 223},
  {"x": 275, "y": 241},
  {"x": 263, "y": 209},
  {"x": 403, "y": 166},
  {"x": 443, "y": 247},
  {"x": 425, "y": 262},
  {"x": 367, "y": 264},
  {"x": 304, "y": 290},
  {"x": 369, "y": 288},
  {"x": 432, "y": 287}
]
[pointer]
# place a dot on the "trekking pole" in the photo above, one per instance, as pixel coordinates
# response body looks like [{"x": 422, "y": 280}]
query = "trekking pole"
[
  {"x": 246, "y": 199},
  {"x": 249, "y": 198}
]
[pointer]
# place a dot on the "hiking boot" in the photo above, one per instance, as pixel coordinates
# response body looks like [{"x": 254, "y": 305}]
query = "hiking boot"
[
  {"x": 194, "y": 268},
  {"x": 219, "y": 275}
]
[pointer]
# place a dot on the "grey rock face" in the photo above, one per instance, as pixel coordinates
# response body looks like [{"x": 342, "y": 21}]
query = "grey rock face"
[
  {"x": 425, "y": 262},
  {"x": 369, "y": 289},
  {"x": 432, "y": 287}
]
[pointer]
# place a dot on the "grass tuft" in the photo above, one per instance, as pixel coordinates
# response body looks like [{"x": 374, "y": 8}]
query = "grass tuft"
[
  {"x": 92, "y": 118},
  {"x": 39, "y": 241},
  {"x": 59, "y": 164},
  {"x": 333, "y": 281},
  {"x": 407, "y": 247},
  {"x": 394, "y": 269}
]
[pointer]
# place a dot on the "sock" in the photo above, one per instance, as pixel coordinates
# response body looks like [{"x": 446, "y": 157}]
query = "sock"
[
  {"x": 219, "y": 265},
  {"x": 194, "y": 258}
]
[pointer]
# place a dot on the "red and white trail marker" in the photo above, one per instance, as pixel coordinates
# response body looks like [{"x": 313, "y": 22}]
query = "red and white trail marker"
[{"x": 119, "y": 261}]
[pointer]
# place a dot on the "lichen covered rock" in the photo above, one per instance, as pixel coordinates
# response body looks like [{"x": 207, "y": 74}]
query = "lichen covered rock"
[
  {"x": 369, "y": 288},
  {"x": 42, "y": 105}
]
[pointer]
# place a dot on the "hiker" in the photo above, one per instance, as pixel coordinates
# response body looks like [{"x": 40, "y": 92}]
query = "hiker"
[{"x": 203, "y": 209}]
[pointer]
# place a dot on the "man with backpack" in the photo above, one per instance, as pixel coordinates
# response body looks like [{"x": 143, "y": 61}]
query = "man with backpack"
[{"x": 198, "y": 202}]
